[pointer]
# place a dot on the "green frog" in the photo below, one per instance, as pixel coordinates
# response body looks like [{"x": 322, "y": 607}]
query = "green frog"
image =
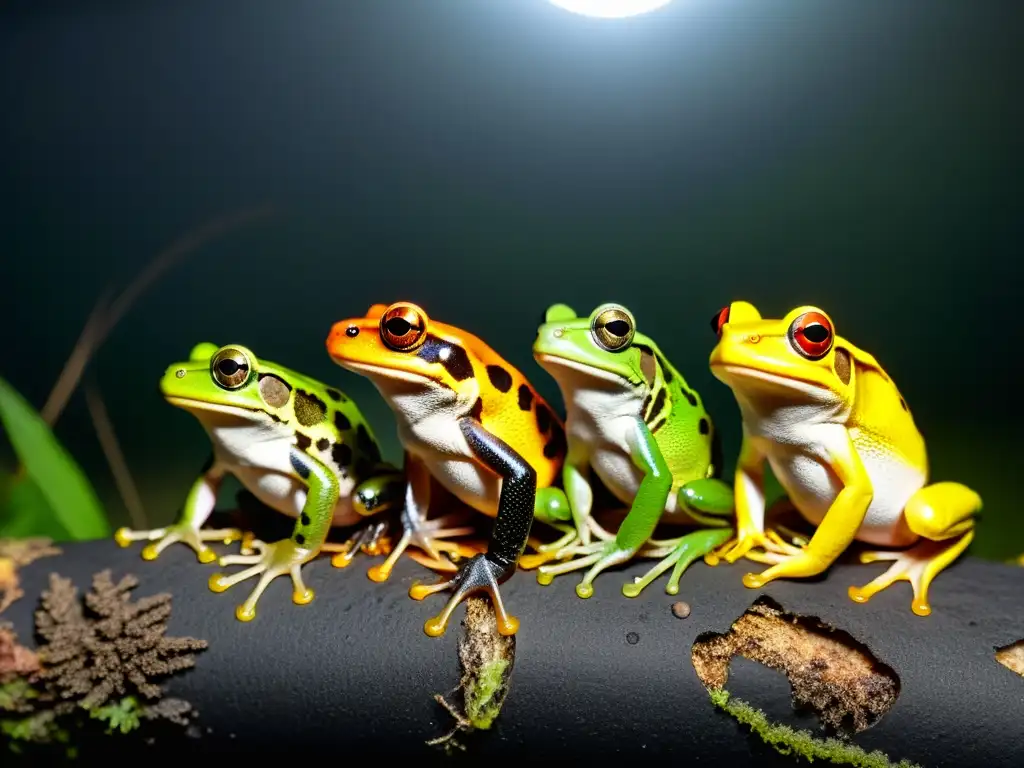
[
  {"x": 299, "y": 446},
  {"x": 634, "y": 422}
]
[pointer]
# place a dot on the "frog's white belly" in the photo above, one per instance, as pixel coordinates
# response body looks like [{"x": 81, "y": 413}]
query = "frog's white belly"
[
  {"x": 603, "y": 427},
  {"x": 801, "y": 467},
  {"x": 260, "y": 458},
  {"x": 438, "y": 442}
]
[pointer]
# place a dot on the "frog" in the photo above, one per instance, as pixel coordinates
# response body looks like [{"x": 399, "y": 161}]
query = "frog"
[
  {"x": 299, "y": 446},
  {"x": 472, "y": 426},
  {"x": 635, "y": 424},
  {"x": 841, "y": 440}
]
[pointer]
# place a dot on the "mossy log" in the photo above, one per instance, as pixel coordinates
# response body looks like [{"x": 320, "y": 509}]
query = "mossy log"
[{"x": 353, "y": 673}]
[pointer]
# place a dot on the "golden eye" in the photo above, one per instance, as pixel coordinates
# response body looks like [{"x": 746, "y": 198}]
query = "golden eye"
[
  {"x": 230, "y": 368},
  {"x": 403, "y": 326},
  {"x": 613, "y": 329}
]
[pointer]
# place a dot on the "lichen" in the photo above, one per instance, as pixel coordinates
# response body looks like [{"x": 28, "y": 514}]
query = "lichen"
[
  {"x": 789, "y": 741},
  {"x": 486, "y": 659},
  {"x": 101, "y": 659},
  {"x": 15, "y": 554}
]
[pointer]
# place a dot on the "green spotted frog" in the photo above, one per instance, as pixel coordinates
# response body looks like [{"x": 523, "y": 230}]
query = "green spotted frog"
[
  {"x": 633, "y": 422},
  {"x": 299, "y": 446}
]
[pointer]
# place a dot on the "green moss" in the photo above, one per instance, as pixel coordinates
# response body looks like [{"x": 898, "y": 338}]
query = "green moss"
[
  {"x": 788, "y": 741},
  {"x": 484, "y": 698},
  {"x": 123, "y": 716}
]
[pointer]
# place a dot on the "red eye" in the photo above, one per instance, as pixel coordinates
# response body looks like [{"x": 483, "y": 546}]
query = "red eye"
[
  {"x": 811, "y": 334},
  {"x": 720, "y": 319}
]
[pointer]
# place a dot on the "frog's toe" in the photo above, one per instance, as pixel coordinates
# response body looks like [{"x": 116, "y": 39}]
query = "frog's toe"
[
  {"x": 685, "y": 551},
  {"x": 480, "y": 574},
  {"x": 919, "y": 565},
  {"x": 277, "y": 559},
  {"x": 427, "y": 535}
]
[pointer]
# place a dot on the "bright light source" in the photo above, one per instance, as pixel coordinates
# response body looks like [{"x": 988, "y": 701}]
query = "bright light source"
[{"x": 610, "y": 9}]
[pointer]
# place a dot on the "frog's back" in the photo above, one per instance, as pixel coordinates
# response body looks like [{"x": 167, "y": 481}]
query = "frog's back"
[
  {"x": 329, "y": 424},
  {"x": 881, "y": 415},
  {"x": 676, "y": 417},
  {"x": 510, "y": 408}
]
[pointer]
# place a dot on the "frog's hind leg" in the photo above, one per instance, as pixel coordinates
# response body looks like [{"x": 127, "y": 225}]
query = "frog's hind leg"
[{"x": 943, "y": 516}]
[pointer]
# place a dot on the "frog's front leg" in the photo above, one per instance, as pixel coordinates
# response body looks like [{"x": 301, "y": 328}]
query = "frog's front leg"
[
  {"x": 485, "y": 572},
  {"x": 943, "y": 515},
  {"x": 750, "y": 511},
  {"x": 288, "y": 555},
  {"x": 639, "y": 524},
  {"x": 840, "y": 525},
  {"x": 708, "y": 501},
  {"x": 199, "y": 503}
]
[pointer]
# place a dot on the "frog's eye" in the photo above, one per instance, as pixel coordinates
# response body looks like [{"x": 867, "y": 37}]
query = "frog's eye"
[
  {"x": 613, "y": 329},
  {"x": 811, "y": 335},
  {"x": 721, "y": 318},
  {"x": 402, "y": 327},
  {"x": 230, "y": 368}
]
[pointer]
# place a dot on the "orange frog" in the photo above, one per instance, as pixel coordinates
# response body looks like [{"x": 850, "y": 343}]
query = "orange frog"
[{"x": 469, "y": 422}]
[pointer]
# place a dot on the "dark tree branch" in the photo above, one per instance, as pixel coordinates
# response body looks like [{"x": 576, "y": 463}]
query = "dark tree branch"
[{"x": 352, "y": 673}]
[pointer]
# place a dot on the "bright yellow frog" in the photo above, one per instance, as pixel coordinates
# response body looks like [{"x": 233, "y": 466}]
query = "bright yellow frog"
[{"x": 842, "y": 443}]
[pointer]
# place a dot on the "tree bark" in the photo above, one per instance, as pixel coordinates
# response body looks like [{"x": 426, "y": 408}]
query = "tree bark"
[{"x": 353, "y": 673}]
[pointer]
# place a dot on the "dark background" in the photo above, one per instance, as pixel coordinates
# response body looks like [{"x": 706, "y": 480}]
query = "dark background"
[{"x": 486, "y": 159}]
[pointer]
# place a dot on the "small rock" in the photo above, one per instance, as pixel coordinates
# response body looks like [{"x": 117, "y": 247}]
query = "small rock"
[
  {"x": 632, "y": 638},
  {"x": 680, "y": 610}
]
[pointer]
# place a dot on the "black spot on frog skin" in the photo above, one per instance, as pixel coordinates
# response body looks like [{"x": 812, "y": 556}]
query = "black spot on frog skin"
[
  {"x": 704, "y": 426},
  {"x": 341, "y": 422},
  {"x": 658, "y": 424},
  {"x": 303, "y": 441},
  {"x": 556, "y": 445},
  {"x": 500, "y": 378},
  {"x": 477, "y": 411},
  {"x": 367, "y": 445},
  {"x": 342, "y": 454},
  {"x": 335, "y": 395},
  {"x": 453, "y": 358},
  {"x": 323, "y": 444},
  {"x": 690, "y": 397},
  {"x": 304, "y": 519},
  {"x": 309, "y": 409},
  {"x": 544, "y": 418},
  {"x": 300, "y": 539},
  {"x": 300, "y": 467},
  {"x": 903, "y": 405},
  {"x": 525, "y": 397},
  {"x": 659, "y": 403}
]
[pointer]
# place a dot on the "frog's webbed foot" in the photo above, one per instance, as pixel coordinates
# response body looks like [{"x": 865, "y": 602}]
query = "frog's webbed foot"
[
  {"x": 681, "y": 553},
  {"x": 773, "y": 548},
  {"x": 427, "y": 535},
  {"x": 565, "y": 546},
  {"x": 919, "y": 565},
  {"x": 480, "y": 574},
  {"x": 180, "y": 532},
  {"x": 600, "y": 556},
  {"x": 268, "y": 562}
]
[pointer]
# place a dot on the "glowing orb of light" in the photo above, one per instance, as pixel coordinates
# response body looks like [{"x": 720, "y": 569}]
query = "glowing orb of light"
[{"x": 609, "y": 9}]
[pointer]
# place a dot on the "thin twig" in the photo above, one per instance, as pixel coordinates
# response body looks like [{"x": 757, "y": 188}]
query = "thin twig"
[
  {"x": 104, "y": 317},
  {"x": 115, "y": 457}
]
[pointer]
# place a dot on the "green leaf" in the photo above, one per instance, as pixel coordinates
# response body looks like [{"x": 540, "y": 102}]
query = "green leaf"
[
  {"x": 60, "y": 480},
  {"x": 26, "y": 513}
]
